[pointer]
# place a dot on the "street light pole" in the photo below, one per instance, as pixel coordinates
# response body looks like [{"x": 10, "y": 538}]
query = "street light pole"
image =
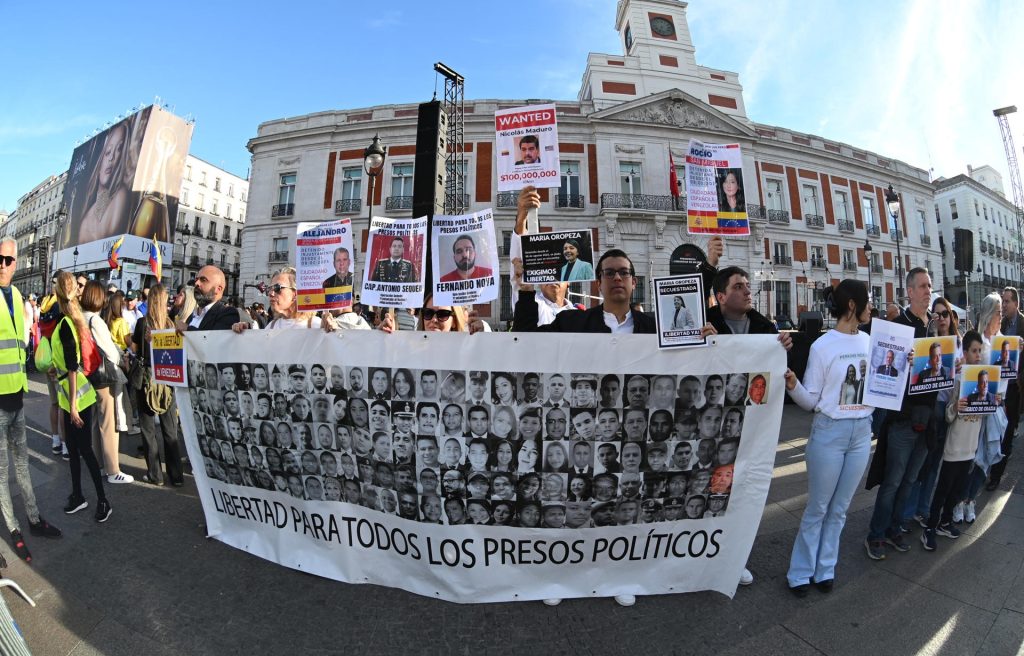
[
  {"x": 892, "y": 199},
  {"x": 373, "y": 163},
  {"x": 867, "y": 256}
]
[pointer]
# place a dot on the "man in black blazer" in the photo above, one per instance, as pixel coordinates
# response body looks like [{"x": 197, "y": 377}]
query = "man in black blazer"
[{"x": 211, "y": 313}]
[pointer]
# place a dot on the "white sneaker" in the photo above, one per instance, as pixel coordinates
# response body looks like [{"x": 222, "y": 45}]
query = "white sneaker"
[
  {"x": 746, "y": 578},
  {"x": 969, "y": 515},
  {"x": 64, "y": 452},
  {"x": 55, "y": 444},
  {"x": 552, "y": 602},
  {"x": 625, "y": 600},
  {"x": 958, "y": 513},
  {"x": 120, "y": 477}
]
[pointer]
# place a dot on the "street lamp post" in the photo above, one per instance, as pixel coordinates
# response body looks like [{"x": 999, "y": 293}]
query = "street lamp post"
[
  {"x": 74, "y": 266},
  {"x": 373, "y": 163},
  {"x": 186, "y": 237},
  {"x": 867, "y": 256},
  {"x": 892, "y": 199}
]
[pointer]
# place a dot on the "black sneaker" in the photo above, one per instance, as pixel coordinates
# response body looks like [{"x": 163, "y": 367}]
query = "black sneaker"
[
  {"x": 103, "y": 511},
  {"x": 897, "y": 543},
  {"x": 800, "y": 591},
  {"x": 876, "y": 548},
  {"x": 948, "y": 530},
  {"x": 75, "y": 503},
  {"x": 904, "y": 529},
  {"x": 19, "y": 546},
  {"x": 44, "y": 529},
  {"x": 928, "y": 539}
]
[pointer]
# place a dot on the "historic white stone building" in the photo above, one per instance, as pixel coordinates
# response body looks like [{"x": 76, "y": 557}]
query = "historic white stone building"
[
  {"x": 816, "y": 205},
  {"x": 34, "y": 224},
  {"x": 977, "y": 203}
]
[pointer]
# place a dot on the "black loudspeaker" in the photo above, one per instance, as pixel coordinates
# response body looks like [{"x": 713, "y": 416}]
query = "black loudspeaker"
[
  {"x": 810, "y": 322},
  {"x": 429, "y": 174},
  {"x": 963, "y": 250}
]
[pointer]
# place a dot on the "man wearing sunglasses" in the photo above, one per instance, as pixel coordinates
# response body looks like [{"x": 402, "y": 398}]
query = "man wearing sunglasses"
[{"x": 211, "y": 313}]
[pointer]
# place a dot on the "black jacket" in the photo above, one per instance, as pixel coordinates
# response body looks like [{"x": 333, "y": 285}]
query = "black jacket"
[
  {"x": 219, "y": 317},
  {"x": 571, "y": 321},
  {"x": 759, "y": 324}
]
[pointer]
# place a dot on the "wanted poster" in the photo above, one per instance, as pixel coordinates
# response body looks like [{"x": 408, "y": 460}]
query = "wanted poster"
[
  {"x": 396, "y": 257},
  {"x": 324, "y": 265},
  {"x": 892, "y": 347},
  {"x": 678, "y": 302},
  {"x": 465, "y": 258},
  {"x": 562, "y": 256},
  {"x": 715, "y": 200},
  {"x": 526, "y": 145},
  {"x": 979, "y": 386},
  {"x": 934, "y": 364},
  {"x": 1005, "y": 355}
]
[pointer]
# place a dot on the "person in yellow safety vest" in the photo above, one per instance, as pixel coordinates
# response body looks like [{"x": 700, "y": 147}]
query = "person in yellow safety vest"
[
  {"x": 46, "y": 326},
  {"x": 13, "y": 384},
  {"x": 76, "y": 396}
]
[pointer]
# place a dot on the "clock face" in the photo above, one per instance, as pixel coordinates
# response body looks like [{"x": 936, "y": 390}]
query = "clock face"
[{"x": 662, "y": 26}]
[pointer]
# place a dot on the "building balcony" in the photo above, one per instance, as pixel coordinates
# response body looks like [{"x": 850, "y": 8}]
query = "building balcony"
[
  {"x": 178, "y": 261},
  {"x": 193, "y": 261},
  {"x": 984, "y": 248},
  {"x": 926, "y": 240},
  {"x": 574, "y": 201},
  {"x": 850, "y": 266},
  {"x": 815, "y": 221},
  {"x": 818, "y": 263},
  {"x": 395, "y": 203},
  {"x": 756, "y": 213},
  {"x": 783, "y": 260},
  {"x": 238, "y": 241},
  {"x": 236, "y": 268},
  {"x": 347, "y": 206},
  {"x": 285, "y": 209},
  {"x": 778, "y": 217},
  {"x": 846, "y": 226},
  {"x": 895, "y": 235},
  {"x": 278, "y": 256},
  {"x": 872, "y": 230},
  {"x": 638, "y": 202},
  {"x": 508, "y": 199},
  {"x": 876, "y": 268},
  {"x": 450, "y": 200},
  {"x": 209, "y": 261}
]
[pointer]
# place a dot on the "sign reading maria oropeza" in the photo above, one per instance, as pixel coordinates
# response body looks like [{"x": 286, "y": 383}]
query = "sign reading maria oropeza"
[{"x": 560, "y": 256}]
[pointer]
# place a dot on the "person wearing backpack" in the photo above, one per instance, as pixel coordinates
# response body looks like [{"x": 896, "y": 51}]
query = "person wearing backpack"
[
  {"x": 157, "y": 400},
  {"x": 105, "y": 436},
  {"x": 76, "y": 395}
]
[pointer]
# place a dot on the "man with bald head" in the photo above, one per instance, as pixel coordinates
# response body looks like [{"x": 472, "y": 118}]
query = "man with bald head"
[{"x": 211, "y": 313}]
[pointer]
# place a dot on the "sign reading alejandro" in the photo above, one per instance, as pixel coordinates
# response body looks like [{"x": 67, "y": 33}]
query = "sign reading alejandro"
[{"x": 490, "y": 467}]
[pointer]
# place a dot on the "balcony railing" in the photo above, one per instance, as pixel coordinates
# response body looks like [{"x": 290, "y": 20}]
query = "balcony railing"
[
  {"x": 849, "y": 266},
  {"x": 393, "y": 203},
  {"x": 876, "y": 268},
  {"x": 463, "y": 200},
  {"x": 348, "y": 206},
  {"x": 872, "y": 230},
  {"x": 846, "y": 225},
  {"x": 783, "y": 260},
  {"x": 895, "y": 235},
  {"x": 984, "y": 248},
  {"x": 193, "y": 261},
  {"x": 778, "y": 217},
  {"x": 285, "y": 209},
  {"x": 638, "y": 202},
  {"x": 571, "y": 200},
  {"x": 818, "y": 263},
  {"x": 178, "y": 261},
  {"x": 278, "y": 256},
  {"x": 926, "y": 240},
  {"x": 508, "y": 199},
  {"x": 209, "y": 261},
  {"x": 756, "y": 213},
  {"x": 815, "y": 221}
]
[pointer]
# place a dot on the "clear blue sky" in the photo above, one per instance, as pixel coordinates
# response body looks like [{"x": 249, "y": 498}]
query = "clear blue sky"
[{"x": 915, "y": 80}]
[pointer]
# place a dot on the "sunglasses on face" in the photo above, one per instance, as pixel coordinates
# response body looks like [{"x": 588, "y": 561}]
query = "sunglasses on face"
[
  {"x": 8, "y": 260},
  {"x": 943, "y": 314},
  {"x": 277, "y": 287},
  {"x": 429, "y": 314}
]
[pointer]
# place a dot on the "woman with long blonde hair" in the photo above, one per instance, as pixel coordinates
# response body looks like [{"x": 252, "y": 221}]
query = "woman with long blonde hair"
[
  {"x": 169, "y": 448},
  {"x": 76, "y": 397},
  {"x": 284, "y": 305}
]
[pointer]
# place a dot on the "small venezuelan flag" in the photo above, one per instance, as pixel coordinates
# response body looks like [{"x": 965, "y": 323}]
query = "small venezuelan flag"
[
  {"x": 155, "y": 263},
  {"x": 115, "y": 251}
]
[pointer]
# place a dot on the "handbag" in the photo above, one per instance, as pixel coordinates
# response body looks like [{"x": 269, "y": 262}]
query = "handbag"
[{"x": 105, "y": 373}]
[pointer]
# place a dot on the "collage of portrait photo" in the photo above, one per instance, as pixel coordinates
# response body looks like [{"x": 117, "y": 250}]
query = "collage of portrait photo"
[{"x": 532, "y": 449}]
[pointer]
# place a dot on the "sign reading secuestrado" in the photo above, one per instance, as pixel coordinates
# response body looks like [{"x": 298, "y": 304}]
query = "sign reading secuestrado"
[
  {"x": 526, "y": 139},
  {"x": 167, "y": 358}
]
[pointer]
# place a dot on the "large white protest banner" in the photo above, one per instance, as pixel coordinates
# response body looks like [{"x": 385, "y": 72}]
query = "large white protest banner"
[
  {"x": 465, "y": 259},
  {"x": 490, "y": 467},
  {"x": 526, "y": 147}
]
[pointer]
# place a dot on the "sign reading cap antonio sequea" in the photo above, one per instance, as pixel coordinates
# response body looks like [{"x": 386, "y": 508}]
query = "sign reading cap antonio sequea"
[
  {"x": 526, "y": 147},
  {"x": 396, "y": 255}
]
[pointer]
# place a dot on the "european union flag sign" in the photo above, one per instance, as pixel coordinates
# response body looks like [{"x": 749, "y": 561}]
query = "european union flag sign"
[{"x": 167, "y": 351}]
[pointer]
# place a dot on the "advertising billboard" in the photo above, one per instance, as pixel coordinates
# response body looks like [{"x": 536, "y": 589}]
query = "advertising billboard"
[{"x": 125, "y": 181}]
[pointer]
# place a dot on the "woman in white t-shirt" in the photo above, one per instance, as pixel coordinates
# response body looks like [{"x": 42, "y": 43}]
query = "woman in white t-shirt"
[{"x": 839, "y": 446}]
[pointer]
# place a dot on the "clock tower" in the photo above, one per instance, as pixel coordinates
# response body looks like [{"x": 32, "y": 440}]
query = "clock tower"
[{"x": 658, "y": 55}]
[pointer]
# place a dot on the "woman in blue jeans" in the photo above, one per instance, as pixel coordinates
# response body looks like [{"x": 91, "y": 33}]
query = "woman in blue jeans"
[{"x": 838, "y": 448}]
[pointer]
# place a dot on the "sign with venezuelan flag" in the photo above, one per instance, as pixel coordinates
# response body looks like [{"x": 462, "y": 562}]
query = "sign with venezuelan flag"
[
  {"x": 715, "y": 201},
  {"x": 324, "y": 265},
  {"x": 167, "y": 353}
]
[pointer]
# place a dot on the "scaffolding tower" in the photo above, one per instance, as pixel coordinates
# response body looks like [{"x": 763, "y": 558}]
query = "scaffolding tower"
[
  {"x": 1015, "y": 185},
  {"x": 456, "y": 200}
]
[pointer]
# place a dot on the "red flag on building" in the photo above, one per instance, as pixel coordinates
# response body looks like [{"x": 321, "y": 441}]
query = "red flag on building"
[{"x": 673, "y": 180}]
